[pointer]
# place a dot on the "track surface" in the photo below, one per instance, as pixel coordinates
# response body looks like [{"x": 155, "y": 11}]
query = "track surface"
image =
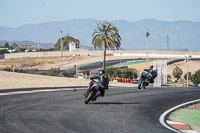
[
  {"x": 97, "y": 65},
  {"x": 122, "y": 110}
]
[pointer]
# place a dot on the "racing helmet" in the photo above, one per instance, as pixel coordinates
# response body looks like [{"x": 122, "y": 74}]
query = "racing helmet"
[
  {"x": 101, "y": 72},
  {"x": 155, "y": 69},
  {"x": 151, "y": 67}
]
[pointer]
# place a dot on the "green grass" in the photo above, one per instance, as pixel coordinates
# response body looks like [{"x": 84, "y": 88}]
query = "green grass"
[
  {"x": 173, "y": 85},
  {"x": 187, "y": 116},
  {"x": 135, "y": 62},
  {"x": 130, "y": 63},
  {"x": 122, "y": 64},
  {"x": 81, "y": 65}
]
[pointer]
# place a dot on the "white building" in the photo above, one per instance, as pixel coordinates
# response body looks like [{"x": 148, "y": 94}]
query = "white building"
[{"x": 72, "y": 46}]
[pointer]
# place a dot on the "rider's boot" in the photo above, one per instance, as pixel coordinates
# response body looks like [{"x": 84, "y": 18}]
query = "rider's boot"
[{"x": 95, "y": 97}]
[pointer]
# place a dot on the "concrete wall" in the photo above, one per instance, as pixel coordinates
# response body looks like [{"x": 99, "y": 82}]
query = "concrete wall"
[
  {"x": 132, "y": 53},
  {"x": 158, "y": 52},
  {"x": 2, "y": 56},
  {"x": 53, "y": 54}
]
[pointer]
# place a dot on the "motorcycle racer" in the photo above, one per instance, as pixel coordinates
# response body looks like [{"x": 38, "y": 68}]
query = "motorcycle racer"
[
  {"x": 102, "y": 82},
  {"x": 153, "y": 72}
]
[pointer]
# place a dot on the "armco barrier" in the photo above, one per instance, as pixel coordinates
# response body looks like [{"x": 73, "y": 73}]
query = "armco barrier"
[
  {"x": 178, "y": 60},
  {"x": 123, "y": 80}
]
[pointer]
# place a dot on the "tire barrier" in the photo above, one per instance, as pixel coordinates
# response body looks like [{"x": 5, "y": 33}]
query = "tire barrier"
[{"x": 123, "y": 80}]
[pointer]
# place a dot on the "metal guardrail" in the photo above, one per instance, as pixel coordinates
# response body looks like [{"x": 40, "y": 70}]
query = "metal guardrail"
[{"x": 178, "y": 60}]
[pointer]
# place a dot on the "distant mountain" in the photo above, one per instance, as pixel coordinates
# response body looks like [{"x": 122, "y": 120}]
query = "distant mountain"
[
  {"x": 182, "y": 34},
  {"x": 26, "y": 42}
]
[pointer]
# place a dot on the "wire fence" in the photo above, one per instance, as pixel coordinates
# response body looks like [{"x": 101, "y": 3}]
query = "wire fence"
[{"x": 161, "y": 79}]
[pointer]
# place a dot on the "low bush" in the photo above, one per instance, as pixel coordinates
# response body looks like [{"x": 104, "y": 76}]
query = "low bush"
[
  {"x": 53, "y": 72},
  {"x": 125, "y": 73},
  {"x": 196, "y": 78},
  {"x": 15, "y": 70}
]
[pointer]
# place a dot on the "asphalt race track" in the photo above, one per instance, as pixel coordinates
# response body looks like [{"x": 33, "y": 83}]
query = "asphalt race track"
[
  {"x": 122, "y": 110},
  {"x": 97, "y": 65}
]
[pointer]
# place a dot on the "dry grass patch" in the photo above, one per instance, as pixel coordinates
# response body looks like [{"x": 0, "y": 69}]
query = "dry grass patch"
[{"x": 36, "y": 61}]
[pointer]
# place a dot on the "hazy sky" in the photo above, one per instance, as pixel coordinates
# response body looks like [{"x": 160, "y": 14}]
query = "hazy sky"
[{"x": 19, "y": 12}]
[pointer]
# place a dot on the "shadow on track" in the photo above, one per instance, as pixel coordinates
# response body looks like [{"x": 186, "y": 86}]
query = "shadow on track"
[
  {"x": 117, "y": 103},
  {"x": 127, "y": 92}
]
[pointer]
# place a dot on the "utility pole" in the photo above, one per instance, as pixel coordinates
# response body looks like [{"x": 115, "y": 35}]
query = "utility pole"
[
  {"x": 61, "y": 44},
  {"x": 188, "y": 60},
  {"x": 38, "y": 47},
  {"x": 120, "y": 56},
  {"x": 67, "y": 32},
  {"x": 147, "y": 36},
  {"x": 167, "y": 42}
]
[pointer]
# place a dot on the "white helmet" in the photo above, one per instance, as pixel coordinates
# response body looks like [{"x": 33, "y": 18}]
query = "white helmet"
[{"x": 155, "y": 69}]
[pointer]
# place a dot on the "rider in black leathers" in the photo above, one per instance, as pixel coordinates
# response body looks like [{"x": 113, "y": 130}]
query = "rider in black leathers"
[
  {"x": 103, "y": 82},
  {"x": 152, "y": 73}
]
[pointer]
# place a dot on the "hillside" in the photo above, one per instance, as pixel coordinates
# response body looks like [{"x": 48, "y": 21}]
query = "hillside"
[
  {"x": 182, "y": 34},
  {"x": 26, "y": 42}
]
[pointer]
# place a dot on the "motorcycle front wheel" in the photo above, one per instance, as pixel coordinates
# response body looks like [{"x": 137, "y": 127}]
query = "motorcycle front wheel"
[
  {"x": 140, "y": 84},
  {"x": 89, "y": 97}
]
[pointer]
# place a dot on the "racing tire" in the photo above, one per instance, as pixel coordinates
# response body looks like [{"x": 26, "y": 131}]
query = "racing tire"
[{"x": 140, "y": 84}]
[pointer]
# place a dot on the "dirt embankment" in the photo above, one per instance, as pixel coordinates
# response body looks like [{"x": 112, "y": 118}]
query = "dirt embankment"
[
  {"x": 16, "y": 80},
  {"x": 39, "y": 63},
  {"x": 12, "y": 80}
]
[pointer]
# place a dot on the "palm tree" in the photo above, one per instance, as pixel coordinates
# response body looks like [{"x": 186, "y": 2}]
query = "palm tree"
[{"x": 106, "y": 35}]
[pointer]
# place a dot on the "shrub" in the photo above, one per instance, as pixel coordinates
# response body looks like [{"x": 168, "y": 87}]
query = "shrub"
[
  {"x": 177, "y": 72},
  {"x": 169, "y": 78},
  {"x": 127, "y": 73},
  {"x": 3, "y": 51},
  {"x": 110, "y": 71},
  {"x": 118, "y": 73},
  {"x": 189, "y": 76},
  {"x": 15, "y": 70},
  {"x": 196, "y": 78},
  {"x": 7, "y": 69},
  {"x": 20, "y": 70},
  {"x": 135, "y": 74},
  {"x": 53, "y": 72}
]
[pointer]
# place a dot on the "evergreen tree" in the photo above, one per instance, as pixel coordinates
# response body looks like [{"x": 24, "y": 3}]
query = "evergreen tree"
[
  {"x": 177, "y": 72},
  {"x": 6, "y": 45},
  {"x": 189, "y": 76},
  {"x": 66, "y": 40},
  {"x": 14, "y": 45},
  {"x": 196, "y": 78}
]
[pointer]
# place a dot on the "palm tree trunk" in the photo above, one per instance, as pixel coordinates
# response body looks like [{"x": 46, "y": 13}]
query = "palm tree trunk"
[{"x": 104, "y": 57}]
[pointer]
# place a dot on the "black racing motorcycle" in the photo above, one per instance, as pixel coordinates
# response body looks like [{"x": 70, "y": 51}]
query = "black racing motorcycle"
[
  {"x": 144, "y": 80},
  {"x": 91, "y": 92}
]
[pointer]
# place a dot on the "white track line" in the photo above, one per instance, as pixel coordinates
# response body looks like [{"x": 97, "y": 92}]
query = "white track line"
[
  {"x": 36, "y": 91},
  {"x": 162, "y": 117},
  {"x": 43, "y": 90}
]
